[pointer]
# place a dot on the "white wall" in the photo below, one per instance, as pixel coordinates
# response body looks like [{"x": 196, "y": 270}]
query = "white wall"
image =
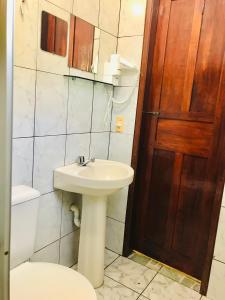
[
  {"x": 216, "y": 289},
  {"x": 130, "y": 40},
  {"x": 56, "y": 119}
]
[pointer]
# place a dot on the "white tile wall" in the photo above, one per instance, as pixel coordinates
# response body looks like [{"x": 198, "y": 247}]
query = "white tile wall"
[
  {"x": 67, "y": 125},
  {"x": 51, "y": 104},
  {"x": 117, "y": 205},
  {"x": 216, "y": 289},
  {"x": 127, "y": 110},
  {"x": 49, "y": 219},
  {"x": 114, "y": 235},
  {"x": 48, "y": 254},
  {"x": 25, "y": 36},
  {"x": 49, "y": 153},
  {"x": 132, "y": 17},
  {"x": 24, "y": 102},
  {"x": 109, "y": 22},
  {"x": 22, "y": 161},
  {"x": 130, "y": 48},
  {"x": 65, "y": 4},
  {"x": 87, "y": 10},
  {"x": 220, "y": 241},
  {"x": 99, "y": 145},
  {"x": 121, "y": 147},
  {"x": 69, "y": 249},
  {"x": 80, "y": 106},
  {"x": 102, "y": 93},
  {"x": 67, "y": 225},
  {"x": 77, "y": 145}
]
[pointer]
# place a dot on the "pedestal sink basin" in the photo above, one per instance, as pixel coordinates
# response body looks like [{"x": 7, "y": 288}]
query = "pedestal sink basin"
[{"x": 95, "y": 182}]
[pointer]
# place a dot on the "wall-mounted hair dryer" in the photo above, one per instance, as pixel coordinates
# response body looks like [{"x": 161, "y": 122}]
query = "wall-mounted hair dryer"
[{"x": 112, "y": 69}]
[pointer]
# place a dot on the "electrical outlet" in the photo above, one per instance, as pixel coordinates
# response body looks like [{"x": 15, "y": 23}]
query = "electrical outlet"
[{"x": 119, "y": 123}]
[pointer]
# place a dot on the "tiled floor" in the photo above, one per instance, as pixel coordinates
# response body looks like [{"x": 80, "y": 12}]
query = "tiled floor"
[{"x": 139, "y": 277}]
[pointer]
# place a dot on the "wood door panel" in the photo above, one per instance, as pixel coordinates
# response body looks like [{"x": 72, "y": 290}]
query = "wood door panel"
[
  {"x": 160, "y": 186},
  {"x": 182, "y": 41},
  {"x": 189, "y": 211},
  {"x": 185, "y": 137},
  {"x": 210, "y": 58},
  {"x": 177, "y": 167}
]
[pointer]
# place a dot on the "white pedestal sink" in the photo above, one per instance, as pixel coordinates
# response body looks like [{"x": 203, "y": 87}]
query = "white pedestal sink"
[{"x": 95, "y": 182}]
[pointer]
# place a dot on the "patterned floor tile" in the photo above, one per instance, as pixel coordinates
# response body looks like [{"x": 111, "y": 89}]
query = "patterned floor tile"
[
  {"x": 164, "y": 288},
  {"x": 112, "y": 290},
  {"x": 130, "y": 274},
  {"x": 109, "y": 257},
  {"x": 143, "y": 298}
]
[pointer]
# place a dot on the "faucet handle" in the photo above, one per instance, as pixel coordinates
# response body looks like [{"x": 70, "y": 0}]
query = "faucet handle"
[{"x": 80, "y": 159}]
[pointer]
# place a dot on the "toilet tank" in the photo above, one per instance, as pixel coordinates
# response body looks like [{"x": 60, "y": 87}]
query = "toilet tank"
[{"x": 24, "y": 212}]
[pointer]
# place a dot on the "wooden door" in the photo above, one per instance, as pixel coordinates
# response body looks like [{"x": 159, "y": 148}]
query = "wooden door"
[{"x": 176, "y": 175}]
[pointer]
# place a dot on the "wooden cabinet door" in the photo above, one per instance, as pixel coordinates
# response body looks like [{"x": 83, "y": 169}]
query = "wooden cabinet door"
[{"x": 176, "y": 179}]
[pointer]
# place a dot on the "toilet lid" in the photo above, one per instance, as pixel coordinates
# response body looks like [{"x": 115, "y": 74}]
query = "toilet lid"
[{"x": 45, "y": 281}]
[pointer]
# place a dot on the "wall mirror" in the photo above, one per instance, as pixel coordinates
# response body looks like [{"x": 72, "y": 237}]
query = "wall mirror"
[
  {"x": 53, "y": 34},
  {"x": 89, "y": 47}
]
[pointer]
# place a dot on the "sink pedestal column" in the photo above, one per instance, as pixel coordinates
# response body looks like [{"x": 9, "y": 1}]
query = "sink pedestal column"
[{"x": 92, "y": 239}]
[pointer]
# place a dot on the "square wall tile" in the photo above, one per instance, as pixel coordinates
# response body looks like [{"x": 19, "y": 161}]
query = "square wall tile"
[
  {"x": 117, "y": 205},
  {"x": 127, "y": 110},
  {"x": 49, "y": 153},
  {"x": 132, "y": 17},
  {"x": 130, "y": 48},
  {"x": 219, "y": 252},
  {"x": 51, "y": 104},
  {"x": 69, "y": 246},
  {"x": 120, "y": 148},
  {"x": 26, "y": 33},
  {"x": 100, "y": 145},
  {"x": 109, "y": 16},
  {"x": 65, "y": 4},
  {"x": 114, "y": 235},
  {"x": 80, "y": 106},
  {"x": 49, "y": 254},
  {"x": 216, "y": 282},
  {"x": 77, "y": 145},
  {"x": 87, "y": 10},
  {"x": 22, "y": 161},
  {"x": 49, "y": 219},
  {"x": 23, "y": 102},
  {"x": 67, "y": 225},
  {"x": 102, "y": 94},
  {"x": 47, "y": 61}
]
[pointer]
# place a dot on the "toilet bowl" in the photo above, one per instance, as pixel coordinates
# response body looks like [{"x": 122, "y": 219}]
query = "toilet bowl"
[
  {"x": 45, "y": 281},
  {"x": 35, "y": 281}
]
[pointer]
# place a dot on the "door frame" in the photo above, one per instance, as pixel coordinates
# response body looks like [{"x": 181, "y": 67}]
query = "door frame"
[
  {"x": 147, "y": 60},
  {"x": 6, "y": 99}
]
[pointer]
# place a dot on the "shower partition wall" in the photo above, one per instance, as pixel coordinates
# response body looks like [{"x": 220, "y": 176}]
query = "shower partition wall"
[{"x": 6, "y": 86}]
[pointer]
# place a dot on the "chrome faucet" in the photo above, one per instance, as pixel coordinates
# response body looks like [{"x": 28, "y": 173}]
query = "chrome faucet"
[{"x": 81, "y": 161}]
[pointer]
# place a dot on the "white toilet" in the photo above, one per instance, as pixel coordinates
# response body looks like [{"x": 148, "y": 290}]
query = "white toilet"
[{"x": 35, "y": 281}]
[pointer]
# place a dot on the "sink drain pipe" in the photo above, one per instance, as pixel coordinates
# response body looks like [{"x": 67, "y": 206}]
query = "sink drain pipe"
[{"x": 76, "y": 215}]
